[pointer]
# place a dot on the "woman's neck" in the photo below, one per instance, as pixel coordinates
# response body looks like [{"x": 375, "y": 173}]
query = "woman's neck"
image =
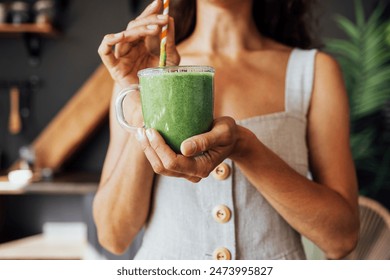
[{"x": 225, "y": 27}]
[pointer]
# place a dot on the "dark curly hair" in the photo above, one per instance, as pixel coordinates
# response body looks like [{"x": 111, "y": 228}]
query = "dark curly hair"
[{"x": 289, "y": 22}]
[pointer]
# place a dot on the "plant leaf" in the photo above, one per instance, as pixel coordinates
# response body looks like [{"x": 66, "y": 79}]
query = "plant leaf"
[
  {"x": 387, "y": 33},
  {"x": 345, "y": 48},
  {"x": 377, "y": 59},
  {"x": 374, "y": 18},
  {"x": 359, "y": 12},
  {"x": 348, "y": 27}
]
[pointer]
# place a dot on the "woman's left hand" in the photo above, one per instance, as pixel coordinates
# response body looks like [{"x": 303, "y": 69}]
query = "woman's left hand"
[{"x": 200, "y": 153}]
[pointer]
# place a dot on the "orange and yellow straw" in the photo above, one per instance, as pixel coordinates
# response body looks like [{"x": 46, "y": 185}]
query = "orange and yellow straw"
[{"x": 164, "y": 33}]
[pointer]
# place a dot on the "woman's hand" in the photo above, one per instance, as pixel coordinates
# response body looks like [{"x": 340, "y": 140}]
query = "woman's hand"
[
  {"x": 129, "y": 51},
  {"x": 200, "y": 153}
]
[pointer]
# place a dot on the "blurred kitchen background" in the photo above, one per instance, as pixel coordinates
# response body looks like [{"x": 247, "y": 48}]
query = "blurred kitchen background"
[{"x": 49, "y": 71}]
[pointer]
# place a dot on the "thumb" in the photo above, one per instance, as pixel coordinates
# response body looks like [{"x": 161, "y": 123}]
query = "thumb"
[
  {"x": 221, "y": 134},
  {"x": 198, "y": 144},
  {"x": 173, "y": 57}
]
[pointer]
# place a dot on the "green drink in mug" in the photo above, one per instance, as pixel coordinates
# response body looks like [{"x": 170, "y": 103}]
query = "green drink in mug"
[{"x": 177, "y": 101}]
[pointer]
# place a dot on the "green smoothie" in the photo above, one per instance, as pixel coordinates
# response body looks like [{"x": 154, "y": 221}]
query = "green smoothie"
[{"x": 178, "y": 104}]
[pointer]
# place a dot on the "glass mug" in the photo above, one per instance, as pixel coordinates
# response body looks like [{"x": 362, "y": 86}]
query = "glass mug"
[{"x": 177, "y": 101}]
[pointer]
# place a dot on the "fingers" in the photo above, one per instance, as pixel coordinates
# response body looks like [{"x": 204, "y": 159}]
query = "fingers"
[
  {"x": 160, "y": 20},
  {"x": 109, "y": 41},
  {"x": 153, "y": 152},
  {"x": 130, "y": 36},
  {"x": 190, "y": 166},
  {"x": 147, "y": 24},
  {"x": 105, "y": 48},
  {"x": 207, "y": 150},
  {"x": 153, "y": 22}
]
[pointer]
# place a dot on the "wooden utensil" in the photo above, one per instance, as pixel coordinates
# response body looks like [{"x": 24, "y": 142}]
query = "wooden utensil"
[{"x": 15, "y": 121}]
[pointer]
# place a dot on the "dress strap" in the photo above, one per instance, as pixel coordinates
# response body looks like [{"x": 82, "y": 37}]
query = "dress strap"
[{"x": 299, "y": 81}]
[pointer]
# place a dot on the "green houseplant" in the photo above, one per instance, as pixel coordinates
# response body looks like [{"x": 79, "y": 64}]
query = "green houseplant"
[{"x": 364, "y": 57}]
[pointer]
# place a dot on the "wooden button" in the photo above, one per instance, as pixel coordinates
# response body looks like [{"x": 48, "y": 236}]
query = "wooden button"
[
  {"x": 221, "y": 172},
  {"x": 221, "y": 214},
  {"x": 222, "y": 254}
]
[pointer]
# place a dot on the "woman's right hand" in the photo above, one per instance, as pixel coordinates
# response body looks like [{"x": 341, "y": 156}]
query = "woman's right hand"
[{"x": 129, "y": 51}]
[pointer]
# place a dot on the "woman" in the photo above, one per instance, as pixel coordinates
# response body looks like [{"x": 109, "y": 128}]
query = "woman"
[{"x": 280, "y": 112}]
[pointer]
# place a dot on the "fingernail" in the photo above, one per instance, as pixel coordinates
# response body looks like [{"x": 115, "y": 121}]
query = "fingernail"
[
  {"x": 149, "y": 134},
  {"x": 152, "y": 26},
  {"x": 162, "y": 16},
  {"x": 189, "y": 147},
  {"x": 117, "y": 35},
  {"x": 140, "y": 134}
]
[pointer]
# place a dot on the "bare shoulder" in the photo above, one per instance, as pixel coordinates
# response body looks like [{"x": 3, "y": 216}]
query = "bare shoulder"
[
  {"x": 328, "y": 114},
  {"x": 327, "y": 69},
  {"x": 328, "y": 81}
]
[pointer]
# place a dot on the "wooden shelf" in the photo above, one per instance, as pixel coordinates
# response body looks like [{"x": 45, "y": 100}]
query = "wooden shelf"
[
  {"x": 42, "y": 29},
  {"x": 32, "y": 34}
]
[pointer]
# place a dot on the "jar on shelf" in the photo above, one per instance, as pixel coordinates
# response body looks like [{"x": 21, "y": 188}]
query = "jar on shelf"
[
  {"x": 19, "y": 12},
  {"x": 44, "y": 11}
]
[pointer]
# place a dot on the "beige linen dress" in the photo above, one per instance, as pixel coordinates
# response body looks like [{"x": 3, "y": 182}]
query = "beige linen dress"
[{"x": 224, "y": 216}]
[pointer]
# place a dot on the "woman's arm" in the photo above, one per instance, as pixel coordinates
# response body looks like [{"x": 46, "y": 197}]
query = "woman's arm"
[
  {"x": 121, "y": 205},
  {"x": 325, "y": 211}
]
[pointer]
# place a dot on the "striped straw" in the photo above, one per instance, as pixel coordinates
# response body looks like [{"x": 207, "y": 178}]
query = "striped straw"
[{"x": 164, "y": 32}]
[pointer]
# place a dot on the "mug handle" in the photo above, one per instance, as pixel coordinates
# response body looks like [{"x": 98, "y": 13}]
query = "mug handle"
[{"x": 119, "y": 107}]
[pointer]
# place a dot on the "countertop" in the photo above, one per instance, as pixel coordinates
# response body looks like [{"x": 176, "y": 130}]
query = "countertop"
[{"x": 67, "y": 183}]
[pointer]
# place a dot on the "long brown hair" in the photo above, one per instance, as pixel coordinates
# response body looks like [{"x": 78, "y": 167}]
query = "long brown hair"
[{"x": 289, "y": 22}]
